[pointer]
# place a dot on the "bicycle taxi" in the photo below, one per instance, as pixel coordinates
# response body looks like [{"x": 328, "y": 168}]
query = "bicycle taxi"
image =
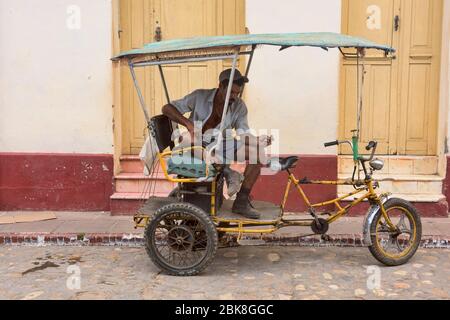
[{"x": 183, "y": 230}]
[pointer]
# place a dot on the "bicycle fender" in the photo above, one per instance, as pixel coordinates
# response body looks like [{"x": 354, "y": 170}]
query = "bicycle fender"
[{"x": 370, "y": 215}]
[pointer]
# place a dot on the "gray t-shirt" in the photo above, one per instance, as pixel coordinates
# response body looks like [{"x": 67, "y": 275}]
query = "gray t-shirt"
[{"x": 200, "y": 104}]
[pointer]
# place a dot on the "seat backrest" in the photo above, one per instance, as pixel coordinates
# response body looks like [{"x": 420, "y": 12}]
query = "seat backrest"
[{"x": 161, "y": 128}]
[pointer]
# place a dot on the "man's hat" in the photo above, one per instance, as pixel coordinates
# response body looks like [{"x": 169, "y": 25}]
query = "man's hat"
[{"x": 226, "y": 74}]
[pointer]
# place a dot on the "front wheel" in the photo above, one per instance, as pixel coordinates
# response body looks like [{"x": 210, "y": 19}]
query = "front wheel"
[
  {"x": 181, "y": 239},
  {"x": 394, "y": 247}
]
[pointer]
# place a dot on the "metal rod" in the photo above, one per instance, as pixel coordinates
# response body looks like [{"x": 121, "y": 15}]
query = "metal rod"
[
  {"x": 188, "y": 59},
  {"x": 164, "y": 83},
  {"x": 245, "y": 53},
  {"x": 348, "y": 54},
  {"x": 358, "y": 94},
  {"x": 138, "y": 89},
  {"x": 360, "y": 75},
  {"x": 227, "y": 98},
  {"x": 219, "y": 139},
  {"x": 181, "y": 60},
  {"x": 248, "y": 69}
]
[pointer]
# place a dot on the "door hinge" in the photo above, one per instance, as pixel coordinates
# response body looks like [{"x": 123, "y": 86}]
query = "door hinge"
[
  {"x": 158, "y": 34},
  {"x": 119, "y": 32},
  {"x": 397, "y": 22}
]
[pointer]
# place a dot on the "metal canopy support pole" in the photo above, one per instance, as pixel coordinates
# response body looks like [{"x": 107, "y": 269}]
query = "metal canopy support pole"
[
  {"x": 360, "y": 85},
  {"x": 248, "y": 69},
  {"x": 138, "y": 89},
  {"x": 164, "y": 83},
  {"x": 166, "y": 91},
  {"x": 225, "y": 108},
  {"x": 227, "y": 98},
  {"x": 360, "y": 76}
]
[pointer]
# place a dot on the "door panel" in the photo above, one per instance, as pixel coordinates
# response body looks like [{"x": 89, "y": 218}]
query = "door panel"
[
  {"x": 379, "y": 102},
  {"x": 376, "y": 105},
  {"x": 371, "y": 20},
  {"x": 182, "y": 19},
  {"x": 420, "y": 71}
]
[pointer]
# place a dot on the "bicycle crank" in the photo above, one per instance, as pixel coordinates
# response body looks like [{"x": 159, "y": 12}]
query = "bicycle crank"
[{"x": 320, "y": 226}]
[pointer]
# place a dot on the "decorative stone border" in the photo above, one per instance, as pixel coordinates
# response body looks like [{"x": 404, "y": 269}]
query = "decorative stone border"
[{"x": 137, "y": 240}]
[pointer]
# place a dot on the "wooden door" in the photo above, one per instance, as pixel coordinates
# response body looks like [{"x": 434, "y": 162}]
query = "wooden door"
[
  {"x": 139, "y": 21},
  {"x": 419, "y": 57},
  {"x": 401, "y": 94}
]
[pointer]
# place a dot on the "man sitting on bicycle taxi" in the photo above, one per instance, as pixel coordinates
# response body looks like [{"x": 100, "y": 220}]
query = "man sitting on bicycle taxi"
[{"x": 206, "y": 108}]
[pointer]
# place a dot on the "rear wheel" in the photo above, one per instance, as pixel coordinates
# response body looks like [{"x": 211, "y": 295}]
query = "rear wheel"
[
  {"x": 396, "y": 247},
  {"x": 181, "y": 239}
]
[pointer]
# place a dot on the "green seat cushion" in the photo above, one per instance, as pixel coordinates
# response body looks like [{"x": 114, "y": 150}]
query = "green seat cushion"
[{"x": 190, "y": 167}]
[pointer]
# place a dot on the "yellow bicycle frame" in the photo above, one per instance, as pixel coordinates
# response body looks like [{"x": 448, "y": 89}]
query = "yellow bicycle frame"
[
  {"x": 365, "y": 186},
  {"x": 241, "y": 226}
]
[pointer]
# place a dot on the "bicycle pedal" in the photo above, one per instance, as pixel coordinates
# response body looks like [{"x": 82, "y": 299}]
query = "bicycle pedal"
[{"x": 251, "y": 242}]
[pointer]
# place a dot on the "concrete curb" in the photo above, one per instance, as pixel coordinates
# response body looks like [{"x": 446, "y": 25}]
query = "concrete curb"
[{"x": 137, "y": 240}]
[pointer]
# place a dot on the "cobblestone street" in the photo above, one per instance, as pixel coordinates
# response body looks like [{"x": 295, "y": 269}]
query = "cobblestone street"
[{"x": 236, "y": 273}]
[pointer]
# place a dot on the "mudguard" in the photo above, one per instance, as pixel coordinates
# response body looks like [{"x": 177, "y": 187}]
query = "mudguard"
[{"x": 373, "y": 210}]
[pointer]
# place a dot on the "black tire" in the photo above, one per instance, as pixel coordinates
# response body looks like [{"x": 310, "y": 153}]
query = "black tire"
[
  {"x": 199, "y": 235},
  {"x": 410, "y": 238}
]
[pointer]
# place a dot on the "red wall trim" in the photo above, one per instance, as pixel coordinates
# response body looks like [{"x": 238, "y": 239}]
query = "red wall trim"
[
  {"x": 446, "y": 182},
  {"x": 317, "y": 167},
  {"x": 37, "y": 181}
]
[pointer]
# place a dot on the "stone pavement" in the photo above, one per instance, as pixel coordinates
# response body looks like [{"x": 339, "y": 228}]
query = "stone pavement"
[
  {"x": 102, "y": 228},
  {"x": 266, "y": 273}
]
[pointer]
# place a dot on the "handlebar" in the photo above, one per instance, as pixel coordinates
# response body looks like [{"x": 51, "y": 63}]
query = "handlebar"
[
  {"x": 330, "y": 144},
  {"x": 372, "y": 145}
]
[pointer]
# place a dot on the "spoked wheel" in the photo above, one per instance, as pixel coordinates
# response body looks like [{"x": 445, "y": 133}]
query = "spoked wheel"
[
  {"x": 394, "y": 247},
  {"x": 181, "y": 239}
]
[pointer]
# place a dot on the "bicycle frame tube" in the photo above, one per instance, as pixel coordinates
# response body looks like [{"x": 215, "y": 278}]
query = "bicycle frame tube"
[
  {"x": 355, "y": 140},
  {"x": 370, "y": 194}
]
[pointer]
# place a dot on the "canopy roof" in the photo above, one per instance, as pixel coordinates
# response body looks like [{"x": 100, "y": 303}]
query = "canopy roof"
[{"x": 321, "y": 39}]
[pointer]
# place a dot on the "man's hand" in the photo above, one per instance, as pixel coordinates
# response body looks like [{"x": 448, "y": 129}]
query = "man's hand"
[{"x": 173, "y": 114}]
